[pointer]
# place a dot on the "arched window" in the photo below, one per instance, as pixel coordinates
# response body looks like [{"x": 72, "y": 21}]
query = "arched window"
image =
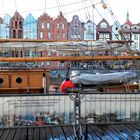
[{"x": 103, "y": 25}]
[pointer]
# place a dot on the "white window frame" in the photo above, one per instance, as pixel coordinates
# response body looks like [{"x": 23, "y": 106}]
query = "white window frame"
[
  {"x": 48, "y": 25},
  {"x": 41, "y": 34}
]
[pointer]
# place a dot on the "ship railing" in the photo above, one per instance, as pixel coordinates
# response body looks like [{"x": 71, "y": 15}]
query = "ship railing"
[{"x": 69, "y": 109}]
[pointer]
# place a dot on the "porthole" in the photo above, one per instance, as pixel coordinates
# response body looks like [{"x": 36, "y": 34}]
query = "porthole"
[
  {"x": 1, "y": 80},
  {"x": 19, "y": 80}
]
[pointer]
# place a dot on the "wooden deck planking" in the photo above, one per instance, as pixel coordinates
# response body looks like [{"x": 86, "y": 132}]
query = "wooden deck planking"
[
  {"x": 23, "y": 135},
  {"x": 92, "y": 135},
  {"x": 48, "y": 133},
  {"x": 30, "y": 133},
  {"x": 99, "y": 135},
  {"x": 36, "y": 134},
  {"x": 132, "y": 133},
  {"x": 1, "y": 132},
  {"x": 5, "y": 134},
  {"x": 67, "y": 133},
  {"x": 128, "y": 133},
  {"x": 17, "y": 135},
  {"x": 108, "y": 132},
  {"x": 94, "y": 132},
  {"x": 54, "y": 133},
  {"x": 61, "y": 134},
  {"x": 115, "y": 132},
  {"x": 11, "y": 134},
  {"x": 121, "y": 132},
  {"x": 134, "y": 129},
  {"x": 70, "y": 128},
  {"x": 42, "y": 133}
]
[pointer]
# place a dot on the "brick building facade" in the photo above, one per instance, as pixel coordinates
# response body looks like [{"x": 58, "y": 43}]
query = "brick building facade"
[
  {"x": 60, "y": 28},
  {"x": 16, "y": 26},
  {"x": 45, "y": 27},
  {"x": 76, "y": 29},
  {"x": 103, "y": 31}
]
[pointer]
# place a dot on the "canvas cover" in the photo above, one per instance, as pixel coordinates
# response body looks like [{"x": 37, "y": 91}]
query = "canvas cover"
[{"x": 94, "y": 79}]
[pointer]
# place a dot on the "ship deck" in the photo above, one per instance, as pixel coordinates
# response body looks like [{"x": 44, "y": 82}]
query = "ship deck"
[{"x": 65, "y": 132}]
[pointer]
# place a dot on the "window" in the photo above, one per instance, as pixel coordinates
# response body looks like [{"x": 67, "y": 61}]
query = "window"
[
  {"x": 57, "y": 25},
  {"x": 49, "y": 53},
  {"x": 14, "y": 33},
  {"x": 63, "y": 35},
  {"x": 127, "y": 36},
  {"x": 42, "y": 25},
  {"x": 48, "y": 63},
  {"x": 41, "y": 34},
  {"x": 75, "y": 17},
  {"x": 136, "y": 44},
  {"x": 49, "y": 35},
  {"x": 135, "y": 37},
  {"x": 106, "y": 35},
  {"x": 103, "y": 25},
  {"x": 63, "y": 26},
  {"x": 48, "y": 25},
  {"x": 20, "y": 25},
  {"x": 89, "y": 29},
  {"x": 57, "y": 36},
  {"x": 101, "y": 36},
  {"x": 27, "y": 53},
  {"x": 20, "y": 34},
  {"x": 16, "y": 24},
  {"x": 75, "y": 28}
]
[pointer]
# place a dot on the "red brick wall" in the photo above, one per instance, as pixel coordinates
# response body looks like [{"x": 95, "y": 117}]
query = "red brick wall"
[
  {"x": 58, "y": 32},
  {"x": 16, "y": 26},
  {"x": 46, "y": 19}
]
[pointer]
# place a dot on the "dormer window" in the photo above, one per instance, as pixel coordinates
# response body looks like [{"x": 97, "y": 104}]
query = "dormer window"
[
  {"x": 126, "y": 27},
  {"x": 103, "y": 25},
  {"x": 135, "y": 27},
  {"x": 75, "y": 17}
]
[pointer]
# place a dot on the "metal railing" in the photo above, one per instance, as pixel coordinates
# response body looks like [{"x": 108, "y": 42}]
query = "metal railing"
[
  {"x": 35, "y": 110},
  {"x": 59, "y": 109},
  {"x": 110, "y": 107}
]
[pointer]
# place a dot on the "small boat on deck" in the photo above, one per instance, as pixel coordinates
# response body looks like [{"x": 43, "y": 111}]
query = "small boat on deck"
[
  {"x": 105, "y": 82},
  {"x": 105, "y": 78}
]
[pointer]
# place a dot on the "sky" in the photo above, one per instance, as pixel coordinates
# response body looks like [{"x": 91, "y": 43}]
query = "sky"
[{"x": 83, "y": 8}]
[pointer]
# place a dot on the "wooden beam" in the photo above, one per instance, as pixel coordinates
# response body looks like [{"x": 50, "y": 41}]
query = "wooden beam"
[
  {"x": 66, "y": 58},
  {"x": 45, "y": 40}
]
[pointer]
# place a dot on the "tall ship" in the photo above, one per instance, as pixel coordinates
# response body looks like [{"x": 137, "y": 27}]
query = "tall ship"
[{"x": 69, "y": 80}]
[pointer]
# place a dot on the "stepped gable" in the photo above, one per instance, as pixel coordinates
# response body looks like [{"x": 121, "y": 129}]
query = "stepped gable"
[
  {"x": 60, "y": 28},
  {"x": 17, "y": 16}
]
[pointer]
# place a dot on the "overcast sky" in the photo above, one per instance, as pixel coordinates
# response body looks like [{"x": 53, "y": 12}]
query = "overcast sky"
[{"x": 83, "y": 8}]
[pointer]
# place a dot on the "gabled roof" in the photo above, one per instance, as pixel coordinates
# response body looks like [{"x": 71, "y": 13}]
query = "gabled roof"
[
  {"x": 17, "y": 15},
  {"x": 30, "y": 17},
  {"x": 128, "y": 22},
  {"x": 103, "y": 20}
]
